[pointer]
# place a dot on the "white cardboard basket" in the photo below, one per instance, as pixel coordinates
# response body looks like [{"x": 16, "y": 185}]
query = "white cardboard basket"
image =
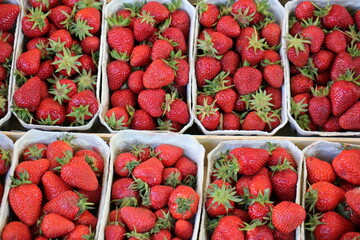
[
  {"x": 229, "y": 145},
  {"x": 7, "y": 116},
  {"x": 81, "y": 141},
  {"x": 278, "y": 10},
  {"x": 121, "y": 143},
  {"x": 112, "y": 8},
  {"x": 19, "y": 49},
  {"x": 290, "y": 8}
]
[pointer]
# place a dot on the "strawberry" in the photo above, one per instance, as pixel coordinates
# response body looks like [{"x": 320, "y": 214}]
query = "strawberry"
[
  {"x": 5, "y": 161},
  {"x": 230, "y": 62},
  {"x": 171, "y": 177},
  {"x": 28, "y": 95},
  {"x": 95, "y": 161},
  {"x": 342, "y": 62},
  {"x": 6, "y": 51},
  {"x": 35, "y": 23},
  {"x": 149, "y": 171},
  {"x": 350, "y": 235},
  {"x": 305, "y": 10},
  {"x": 123, "y": 98},
  {"x": 276, "y": 96},
  {"x": 16, "y": 230},
  {"x": 229, "y": 227},
  {"x": 115, "y": 216},
  {"x": 332, "y": 125},
  {"x": 319, "y": 106},
  {"x": 247, "y": 80},
  {"x": 68, "y": 204},
  {"x": 90, "y": 44},
  {"x": 63, "y": 36},
  {"x": 176, "y": 109},
  {"x": 278, "y": 155},
  {"x": 335, "y": 41},
  {"x": 58, "y": 17},
  {"x": 122, "y": 192},
  {"x": 53, "y": 185},
  {"x": 274, "y": 75},
  {"x": 163, "y": 234},
  {"x": 159, "y": 196},
  {"x": 25, "y": 199},
  {"x": 45, "y": 71},
  {"x": 336, "y": 16},
  {"x": 121, "y": 39},
  {"x": 161, "y": 49},
  {"x": 157, "y": 10},
  {"x": 228, "y": 26},
  {"x": 168, "y": 154},
  {"x": 324, "y": 196},
  {"x": 63, "y": 90},
  {"x": 298, "y": 50},
  {"x": 53, "y": 225},
  {"x": 135, "y": 81},
  {"x": 350, "y": 198},
  {"x": 79, "y": 232},
  {"x": 254, "y": 52},
  {"x": 253, "y": 121},
  {"x": 323, "y": 60},
  {"x": 244, "y": 11},
  {"x": 271, "y": 32},
  {"x": 137, "y": 218},
  {"x": 287, "y": 216},
  {"x": 250, "y": 160},
  {"x": 82, "y": 106},
  {"x": 206, "y": 68},
  {"x": 151, "y": 101},
  {"x": 231, "y": 121},
  {"x": 316, "y": 36},
  {"x": 183, "y": 202},
  {"x": 260, "y": 207},
  {"x": 66, "y": 63},
  {"x": 319, "y": 170},
  {"x": 87, "y": 22},
  {"x": 209, "y": 14},
  {"x": 58, "y": 149},
  {"x": 87, "y": 65},
  {"x": 35, "y": 169},
  {"x": 186, "y": 167},
  {"x": 262, "y": 231},
  {"x": 92, "y": 196},
  {"x": 142, "y": 121},
  {"x": 28, "y": 62},
  {"x": 225, "y": 100},
  {"x": 140, "y": 56},
  {"x": 346, "y": 165},
  {"x": 8, "y": 16},
  {"x": 350, "y": 119},
  {"x": 158, "y": 75},
  {"x": 114, "y": 231},
  {"x": 78, "y": 173},
  {"x": 300, "y": 84},
  {"x": 181, "y": 20},
  {"x": 34, "y": 151},
  {"x": 260, "y": 183},
  {"x": 50, "y": 112},
  {"x": 242, "y": 41},
  {"x": 125, "y": 163},
  {"x": 271, "y": 56},
  {"x": 7, "y": 37},
  {"x": 183, "y": 229},
  {"x": 144, "y": 26}
]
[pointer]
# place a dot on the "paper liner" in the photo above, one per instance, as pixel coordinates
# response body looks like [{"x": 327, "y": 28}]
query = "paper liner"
[
  {"x": 278, "y": 10},
  {"x": 82, "y": 141},
  {"x": 229, "y": 145},
  {"x": 112, "y": 8},
  {"x": 290, "y": 8},
  {"x": 121, "y": 143},
  {"x": 20, "y": 45},
  {"x": 4, "y": 120}
]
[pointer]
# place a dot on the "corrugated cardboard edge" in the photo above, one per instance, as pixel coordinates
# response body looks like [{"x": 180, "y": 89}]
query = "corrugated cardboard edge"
[
  {"x": 289, "y": 8},
  {"x": 323, "y": 150},
  {"x": 279, "y": 12},
  {"x": 19, "y": 50},
  {"x": 82, "y": 141},
  {"x": 121, "y": 142},
  {"x": 113, "y": 7},
  {"x": 5, "y": 119},
  {"x": 229, "y": 145}
]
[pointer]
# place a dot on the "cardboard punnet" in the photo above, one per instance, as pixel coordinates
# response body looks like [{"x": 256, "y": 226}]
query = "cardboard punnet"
[
  {"x": 81, "y": 141},
  {"x": 20, "y": 46},
  {"x": 289, "y": 9},
  {"x": 121, "y": 143},
  {"x": 112, "y": 8},
  {"x": 229, "y": 145},
  {"x": 278, "y": 10}
]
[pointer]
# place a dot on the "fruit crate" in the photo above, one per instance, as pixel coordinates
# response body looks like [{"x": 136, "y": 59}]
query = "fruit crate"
[
  {"x": 81, "y": 141},
  {"x": 111, "y": 9},
  {"x": 289, "y": 9},
  {"x": 278, "y": 10},
  {"x": 21, "y": 47},
  {"x": 325, "y": 151},
  {"x": 4, "y": 120},
  {"x": 121, "y": 142},
  {"x": 8, "y": 145},
  {"x": 262, "y": 143}
]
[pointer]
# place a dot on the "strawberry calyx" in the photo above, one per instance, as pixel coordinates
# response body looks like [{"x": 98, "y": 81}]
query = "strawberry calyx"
[
  {"x": 256, "y": 43},
  {"x": 33, "y": 153},
  {"x": 309, "y": 70},
  {"x": 172, "y": 42},
  {"x": 5, "y": 155},
  {"x": 313, "y": 222},
  {"x": 345, "y": 146},
  {"x": 223, "y": 195},
  {"x": 165, "y": 222},
  {"x": 80, "y": 29},
  {"x": 23, "y": 179},
  {"x": 311, "y": 198},
  {"x": 79, "y": 113},
  {"x": 226, "y": 168},
  {"x": 225, "y": 8},
  {"x": 349, "y": 76},
  {"x": 260, "y": 101},
  {"x": 136, "y": 235},
  {"x": 282, "y": 166},
  {"x": 55, "y": 46},
  {"x": 143, "y": 189},
  {"x": 322, "y": 12},
  {"x": 87, "y": 4},
  {"x": 60, "y": 92},
  {"x": 206, "y": 110},
  {"x": 263, "y": 7},
  {"x": 165, "y": 125},
  {"x": 164, "y": 25},
  {"x": 173, "y": 179},
  {"x": 85, "y": 81},
  {"x": 67, "y": 61},
  {"x": 69, "y": 18},
  {"x": 353, "y": 34},
  {"x": 304, "y": 122},
  {"x": 207, "y": 46},
  {"x": 119, "y": 56},
  {"x": 20, "y": 78},
  {"x": 90, "y": 161},
  {"x": 90, "y": 236},
  {"x": 117, "y": 21},
  {"x": 272, "y": 147},
  {"x": 45, "y": 3},
  {"x": 184, "y": 204},
  {"x": 262, "y": 198},
  {"x": 126, "y": 202},
  {"x": 174, "y": 5},
  {"x": 310, "y": 22},
  {"x": 38, "y": 17},
  {"x": 213, "y": 223},
  {"x": 68, "y": 138},
  {"x": 68, "y": 155},
  {"x": 130, "y": 166},
  {"x": 254, "y": 224},
  {"x": 297, "y": 42},
  {"x": 83, "y": 204},
  {"x": 202, "y": 6},
  {"x": 190, "y": 181},
  {"x": 177, "y": 55},
  {"x": 169, "y": 99},
  {"x": 298, "y": 108},
  {"x": 319, "y": 91},
  {"x": 23, "y": 114},
  {"x": 115, "y": 124},
  {"x": 138, "y": 150},
  {"x": 147, "y": 18},
  {"x": 48, "y": 121},
  {"x": 3, "y": 102},
  {"x": 217, "y": 84},
  {"x": 243, "y": 17},
  {"x": 353, "y": 50}
]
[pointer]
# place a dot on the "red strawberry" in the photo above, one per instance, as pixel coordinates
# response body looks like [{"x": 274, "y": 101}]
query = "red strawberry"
[
  {"x": 28, "y": 62},
  {"x": 57, "y": 149},
  {"x": 262, "y": 231},
  {"x": 50, "y": 112},
  {"x": 182, "y": 72},
  {"x": 35, "y": 23},
  {"x": 335, "y": 41},
  {"x": 123, "y": 98},
  {"x": 332, "y": 125},
  {"x": 8, "y": 16},
  {"x": 260, "y": 207},
  {"x": 92, "y": 18},
  {"x": 181, "y": 20},
  {"x": 158, "y": 75},
  {"x": 183, "y": 202},
  {"x": 95, "y": 161},
  {"x": 276, "y": 96},
  {"x": 78, "y": 173},
  {"x": 16, "y": 230},
  {"x": 122, "y": 192},
  {"x": 304, "y": 10},
  {"x": 225, "y": 100},
  {"x": 82, "y": 106},
  {"x": 287, "y": 216},
  {"x": 247, "y": 80},
  {"x": 115, "y": 231},
  {"x": 161, "y": 49},
  {"x": 350, "y": 198},
  {"x": 171, "y": 177},
  {"x": 63, "y": 90},
  {"x": 7, "y": 37},
  {"x": 230, "y": 62},
  {"x": 90, "y": 45},
  {"x": 209, "y": 14},
  {"x": 139, "y": 219},
  {"x": 253, "y": 52},
  {"x": 53, "y": 225},
  {"x": 274, "y": 75},
  {"x": 228, "y": 26},
  {"x": 87, "y": 65},
  {"x": 151, "y": 101},
  {"x": 159, "y": 196},
  {"x": 183, "y": 229},
  {"x": 79, "y": 232},
  {"x": 163, "y": 234},
  {"x": 25, "y": 199},
  {"x": 229, "y": 228},
  {"x": 343, "y": 95},
  {"x": 242, "y": 41},
  {"x": 250, "y": 160},
  {"x": 53, "y": 185},
  {"x": 336, "y": 16},
  {"x": 168, "y": 154},
  {"x": 35, "y": 169},
  {"x": 63, "y": 36},
  {"x": 5, "y": 161},
  {"x": 350, "y": 236},
  {"x": 244, "y": 10},
  {"x": 6, "y": 51},
  {"x": 315, "y": 35},
  {"x": 298, "y": 50},
  {"x": 207, "y": 68},
  {"x": 320, "y": 106},
  {"x": 319, "y": 170},
  {"x": 260, "y": 183},
  {"x": 253, "y": 121},
  {"x": 142, "y": 121},
  {"x": 34, "y": 151},
  {"x": 140, "y": 56},
  {"x": 231, "y": 121},
  {"x": 323, "y": 60},
  {"x": 57, "y": 16},
  {"x": 144, "y": 26},
  {"x": 135, "y": 81},
  {"x": 92, "y": 196},
  {"x": 28, "y": 95},
  {"x": 121, "y": 39},
  {"x": 186, "y": 167},
  {"x": 350, "y": 119},
  {"x": 45, "y": 71},
  {"x": 271, "y": 32},
  {"x": 271, "y": 56},
  {"x": 346, "y": 165},
  {"x": 176, "y": 109},
  {"x": 157, "y": 10},
  {"x": 149, "y": 171},
  {"x": 125, "y": 163},
  {"x": 300, "y": 84}
]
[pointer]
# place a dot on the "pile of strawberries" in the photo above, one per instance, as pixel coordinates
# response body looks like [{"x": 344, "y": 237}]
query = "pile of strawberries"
[
  {"x": 238, "y": 70},
  {"x": 333, "y": 196},
  {"x": 57, "y": 71},
  {"x": 54, "y": 192},
  {"x": 8, "y": 16},
  {"x": 5, "y": 162},
  {"x": 153, "y": 194},
  {"x": 323, "y": 47},
  {"x": 149, "y": 71},
  {"x": 252, "y": 195}
]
